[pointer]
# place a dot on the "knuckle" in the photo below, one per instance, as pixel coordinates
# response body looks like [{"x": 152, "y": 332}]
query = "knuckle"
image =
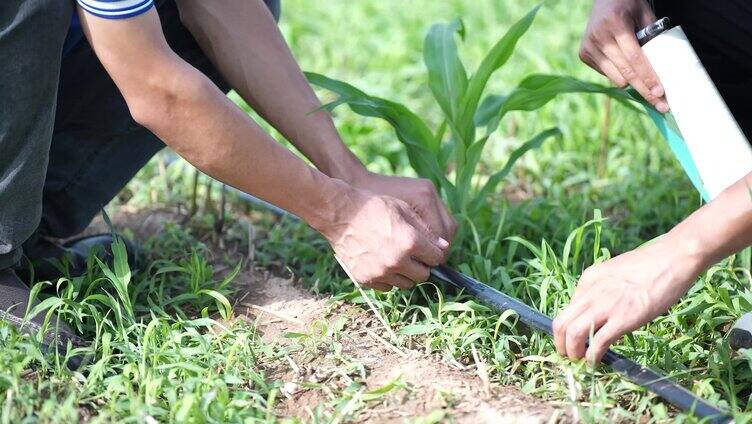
[
  {"x": 619, "y": 81},
  {"x": 603, "y": 33},
  {"x": 628, "y": 72},
  {"x": 650, "y": 80},
  {"x": 584, "y": 54},
  {"x": 616, "y": 18},
  {"x": 371, "y": 278},
  {"x": 426, "y": 185},
  {"x": 579, "y": 330},
  {"x": 634, "y": 56},
  {"x": 588, "y": 275}
]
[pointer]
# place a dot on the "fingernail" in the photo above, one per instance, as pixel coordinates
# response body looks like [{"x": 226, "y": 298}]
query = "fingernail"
[
  {"x": 657, "y": 91},
  {"x": 443, "y": 243},
  {"x": 662, "y": 107}
]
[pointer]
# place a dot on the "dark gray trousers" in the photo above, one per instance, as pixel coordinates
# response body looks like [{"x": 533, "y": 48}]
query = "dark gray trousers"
[{"x": 68, "y": 144}]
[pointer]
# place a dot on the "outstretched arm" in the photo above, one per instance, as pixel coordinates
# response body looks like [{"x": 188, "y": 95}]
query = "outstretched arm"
[
  {"x": 379, "y": 238},
  {"x": 243, "y": 41},
  {"x": 626, "y": 292}
]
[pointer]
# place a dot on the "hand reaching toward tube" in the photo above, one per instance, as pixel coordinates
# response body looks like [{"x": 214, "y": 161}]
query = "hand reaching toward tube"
[{"x": 620, "y": 295}]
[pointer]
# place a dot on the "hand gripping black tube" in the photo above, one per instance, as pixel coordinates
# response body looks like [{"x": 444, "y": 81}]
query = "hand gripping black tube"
[{"x": 661, "y": 385}]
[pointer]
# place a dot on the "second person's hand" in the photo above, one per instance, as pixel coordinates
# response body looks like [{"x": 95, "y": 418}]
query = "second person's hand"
[
  {"x": 610, "y": 47},
  {"x": 622, "y": 294}
]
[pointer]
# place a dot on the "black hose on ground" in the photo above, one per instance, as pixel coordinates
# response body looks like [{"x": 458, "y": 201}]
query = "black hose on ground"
[{"x": 661, "y": 385}]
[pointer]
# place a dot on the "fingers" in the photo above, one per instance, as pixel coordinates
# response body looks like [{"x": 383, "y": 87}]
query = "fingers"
[
  {"x": 578, "y": 333},
  {"x": 414, "y": 271},
  {"x": 641, "y": 74},
  {"x": 645, "y": 17},
  {"x": 433, "y": 211},
  {"x": 378, "y": 286},
  {"x": 563, "y": 320},
  {"x": 435, "y": 224},
  {"x": 428, "y": 252},
  {"x": 601, "y": 63},
  {"x": 424, "y": 245},
  {"x": 605, "y": 337},
  {"x": 395, "y": 280},
  {"x": 450, "y": 224},
  {"x": 611, "y": 47}
]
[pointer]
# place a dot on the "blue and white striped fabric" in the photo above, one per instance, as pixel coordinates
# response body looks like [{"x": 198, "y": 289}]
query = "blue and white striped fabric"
[{"x": 116, "y": 9}]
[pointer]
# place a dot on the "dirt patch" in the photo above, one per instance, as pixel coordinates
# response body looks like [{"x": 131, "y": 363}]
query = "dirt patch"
[{"x": 425, "y": 385}]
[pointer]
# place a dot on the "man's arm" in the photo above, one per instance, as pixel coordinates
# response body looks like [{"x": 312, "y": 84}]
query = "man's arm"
[
  {"x": 243, "y": 41},
  {"x": 379, "y": 238},
  {"x": 624, "y": 293}
]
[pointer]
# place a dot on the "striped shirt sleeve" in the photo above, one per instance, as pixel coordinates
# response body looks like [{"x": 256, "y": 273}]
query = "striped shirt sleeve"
[{"x": 116, "y": 9}]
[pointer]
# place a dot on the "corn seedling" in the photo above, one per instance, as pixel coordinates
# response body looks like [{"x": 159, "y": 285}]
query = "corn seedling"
[{"x": 450, "y": 154}]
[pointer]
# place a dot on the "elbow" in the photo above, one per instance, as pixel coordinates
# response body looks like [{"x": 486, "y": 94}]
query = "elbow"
[
  {"x": 162, "y": 100},
  {"x": 170, "y": 104},
  {"x": 153, "y": 103},
  {"x": 149, "y": 111}
]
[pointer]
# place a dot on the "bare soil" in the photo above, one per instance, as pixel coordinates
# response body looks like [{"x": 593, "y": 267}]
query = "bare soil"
[{"x": 429, "y": 384}]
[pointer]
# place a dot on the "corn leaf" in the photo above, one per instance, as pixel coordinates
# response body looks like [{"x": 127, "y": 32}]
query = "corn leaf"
[
  {"x": 467, "y": 168},
  {"x": 495, "y": 59},
  {"x": 496, "y": 178},
  {"x": 447, "y": 77},
  {"x": 537, "y": 90},
  {"x": 410, "y": 129}
]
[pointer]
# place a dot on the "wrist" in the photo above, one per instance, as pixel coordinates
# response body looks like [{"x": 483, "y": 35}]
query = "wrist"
[
  {"x": 335, "y": 203},
  {"x": 325, "y": 148},
  {"x": 344, "y": 166},
  {"x": 690, "y": 254}
]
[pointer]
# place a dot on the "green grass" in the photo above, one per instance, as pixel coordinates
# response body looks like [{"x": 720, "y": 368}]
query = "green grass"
[{"x": 161, "y": 351}]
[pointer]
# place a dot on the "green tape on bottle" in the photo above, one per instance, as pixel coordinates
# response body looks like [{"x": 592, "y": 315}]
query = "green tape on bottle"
[{"x": 668, "y": 128}]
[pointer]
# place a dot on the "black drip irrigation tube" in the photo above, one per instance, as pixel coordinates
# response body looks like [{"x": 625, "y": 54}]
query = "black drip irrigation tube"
[{"x": 663, "y": 386}]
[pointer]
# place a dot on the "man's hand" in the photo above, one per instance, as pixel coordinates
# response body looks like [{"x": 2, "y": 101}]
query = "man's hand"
[
  {"x": 419, "y": 193},
  {"x": 382, "y": 241},
  {"x": 622, "y": 294},
  {"x": 611, "y": 47}
]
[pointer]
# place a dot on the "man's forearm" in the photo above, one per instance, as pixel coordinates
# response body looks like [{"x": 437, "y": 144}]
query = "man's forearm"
[
  {"x": 225, "y": 143},
  {"x": 243, "y": 41}
]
